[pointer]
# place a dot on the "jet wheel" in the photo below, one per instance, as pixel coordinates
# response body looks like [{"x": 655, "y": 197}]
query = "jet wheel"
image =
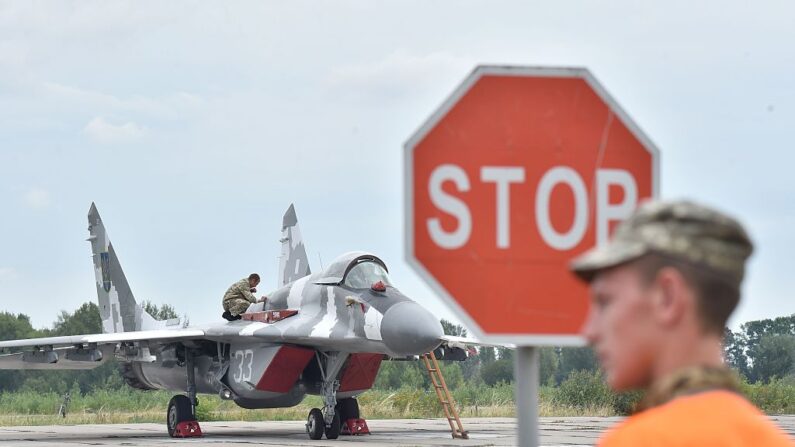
[
  {"x": 333, "y": 430},
  {"x": 179, "y": 410},
  {"x": 315, "y": 424}
]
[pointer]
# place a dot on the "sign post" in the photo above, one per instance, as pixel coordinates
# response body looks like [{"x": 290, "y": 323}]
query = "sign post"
[
  {"x": 517, "y": 172},
  {"x": 526, "y": 365}
]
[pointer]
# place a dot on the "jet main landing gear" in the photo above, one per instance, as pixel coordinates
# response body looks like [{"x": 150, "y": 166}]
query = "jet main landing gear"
[{"x": 181, "y": 416}]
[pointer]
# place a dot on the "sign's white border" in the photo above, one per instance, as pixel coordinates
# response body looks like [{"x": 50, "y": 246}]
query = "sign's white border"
[{"x": 433, "y": 120}]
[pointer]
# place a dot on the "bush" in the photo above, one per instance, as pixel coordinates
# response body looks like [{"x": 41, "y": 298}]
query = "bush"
[
  {"x": 775, "y": 397},
  {"x": 584, "y": 389},
  {"x": 587, "y": 389}
]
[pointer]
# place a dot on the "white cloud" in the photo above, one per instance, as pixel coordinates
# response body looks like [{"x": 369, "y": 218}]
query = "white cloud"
[
  {"x": 103, "y": 132},
  {"x": 86, "y": 20},
  {"x": 172, "y": 106},
  {"x": 401, "y": 72},
  {"x": 8, "y": 274},
  {"x": 37, "y": 198}
]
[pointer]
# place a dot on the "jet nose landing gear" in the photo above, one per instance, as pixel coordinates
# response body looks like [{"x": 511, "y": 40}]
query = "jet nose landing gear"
[{"x": 328, "y": 420}]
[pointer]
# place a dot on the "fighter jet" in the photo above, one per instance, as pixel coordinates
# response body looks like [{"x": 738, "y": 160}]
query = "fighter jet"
[{"x": 323, "y": 333}]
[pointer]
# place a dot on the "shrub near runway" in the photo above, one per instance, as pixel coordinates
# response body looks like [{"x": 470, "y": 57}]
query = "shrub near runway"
[
  {"x": 130, "y": 406},
  {"x": 583, "y": 394}
]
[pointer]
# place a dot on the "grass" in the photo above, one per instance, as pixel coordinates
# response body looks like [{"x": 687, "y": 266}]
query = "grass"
[
  {"x": 580, "y": 395},
  {"x": 132, "y": 406}
]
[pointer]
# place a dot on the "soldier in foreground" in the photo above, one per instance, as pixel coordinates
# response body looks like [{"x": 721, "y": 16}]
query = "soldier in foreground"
[
  {"x": 662, "y": 291},
  {"x": 239, "y": 296}
]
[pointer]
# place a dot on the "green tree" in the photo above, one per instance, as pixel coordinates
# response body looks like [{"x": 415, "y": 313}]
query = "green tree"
[
  {"x": 412, "y": 377},
  {"x": 576, "y": 359},
  {"x": 749, "y": 342},
  {"x": 753, "y": 331},
  {"x": 498, "y": 371},
  {"x": 396, "y": 374},
  {"x": 548, "y": 366},
  {"x": 451, "y": 328},
  {"x": 486, "y": 355},
  {"x": 775, "y": 357},
  {"x": 163, "y": 312},
  {"x": 385, "y": 380},
  {"x": 453, "y": 375},
  {"x": 12, "y": 327},
  {"x": 734, "y": 351},
  {"x": 85, "y": 320}
]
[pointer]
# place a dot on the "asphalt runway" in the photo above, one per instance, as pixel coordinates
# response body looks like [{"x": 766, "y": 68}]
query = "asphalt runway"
[{"x": 582, "y": 431}]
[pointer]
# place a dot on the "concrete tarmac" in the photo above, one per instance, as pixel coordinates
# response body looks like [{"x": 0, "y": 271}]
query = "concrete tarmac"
[{"x": 582, "y": 431}]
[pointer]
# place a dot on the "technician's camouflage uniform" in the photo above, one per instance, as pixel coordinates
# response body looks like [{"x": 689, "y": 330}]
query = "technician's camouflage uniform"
[{"x": 238, "y": 297}]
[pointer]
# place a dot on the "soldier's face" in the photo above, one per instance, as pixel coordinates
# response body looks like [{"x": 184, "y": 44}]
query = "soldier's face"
[{"x": 620, "y": 329}]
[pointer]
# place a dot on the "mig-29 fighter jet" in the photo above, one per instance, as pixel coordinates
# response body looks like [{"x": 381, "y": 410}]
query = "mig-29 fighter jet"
[{"x": 322, "y": 333}]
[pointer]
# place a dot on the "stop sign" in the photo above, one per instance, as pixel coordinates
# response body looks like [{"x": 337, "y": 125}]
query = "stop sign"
[{"x": 520, "y": 170}]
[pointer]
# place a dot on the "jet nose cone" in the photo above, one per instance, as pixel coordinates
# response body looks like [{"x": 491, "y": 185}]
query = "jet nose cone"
[{"x": 408, "y": 329}]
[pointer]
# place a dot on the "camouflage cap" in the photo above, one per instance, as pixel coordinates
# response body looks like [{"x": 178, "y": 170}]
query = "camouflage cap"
[{"x": 680, "y": 229}]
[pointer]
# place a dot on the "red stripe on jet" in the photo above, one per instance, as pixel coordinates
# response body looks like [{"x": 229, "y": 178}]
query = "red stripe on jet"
[
  {"x": 283, "y": 371},
  {"x": 361, "y": 371}
]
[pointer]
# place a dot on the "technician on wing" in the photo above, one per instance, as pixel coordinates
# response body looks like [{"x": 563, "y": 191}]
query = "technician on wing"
[{"x": 239, "y": 296}]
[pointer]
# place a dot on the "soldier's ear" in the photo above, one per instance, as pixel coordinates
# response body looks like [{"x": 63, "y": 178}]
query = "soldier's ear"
[{"x": 670, "y": 297}]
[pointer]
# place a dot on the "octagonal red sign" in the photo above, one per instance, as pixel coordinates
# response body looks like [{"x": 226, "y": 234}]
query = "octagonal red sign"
[{"x": 520, "y": 170}]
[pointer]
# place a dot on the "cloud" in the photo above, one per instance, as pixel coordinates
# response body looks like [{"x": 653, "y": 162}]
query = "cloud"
[
  {"x": 173, "y": 106},
  {"x": 103, "y": 132},
  {"x": 401, "y": 72},
  {"x": 37, "y": 198},
  {"x": 86, "y": 20},
  {"x": 8, "y": 274}
]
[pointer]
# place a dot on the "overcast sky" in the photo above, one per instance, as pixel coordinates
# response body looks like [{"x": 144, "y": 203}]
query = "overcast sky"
[{"x": 193, "y": 126}]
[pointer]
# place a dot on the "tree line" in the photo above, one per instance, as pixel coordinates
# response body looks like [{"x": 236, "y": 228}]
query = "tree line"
[{"x": 760, "y": 351}]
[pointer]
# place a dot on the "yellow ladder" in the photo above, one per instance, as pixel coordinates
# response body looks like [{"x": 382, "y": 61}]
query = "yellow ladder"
[{"x": 445, "y": 398}]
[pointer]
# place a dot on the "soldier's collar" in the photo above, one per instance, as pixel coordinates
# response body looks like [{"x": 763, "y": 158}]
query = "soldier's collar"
[{"x": 688, "y": 381}]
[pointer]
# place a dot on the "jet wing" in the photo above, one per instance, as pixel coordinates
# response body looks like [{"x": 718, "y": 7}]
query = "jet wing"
[
  {"x": 462, "y": 342},
  {"x": 164, "y": 335},
  {"x": 82, "y": 351},
  {"x": 64, "y": 358}
]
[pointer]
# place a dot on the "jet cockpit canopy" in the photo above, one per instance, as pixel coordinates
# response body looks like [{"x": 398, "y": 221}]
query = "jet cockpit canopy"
[{"x": 358, "y": 270}]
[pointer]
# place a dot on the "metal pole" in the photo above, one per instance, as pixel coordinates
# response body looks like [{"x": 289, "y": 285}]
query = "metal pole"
[{"x": 526, "y": 375}]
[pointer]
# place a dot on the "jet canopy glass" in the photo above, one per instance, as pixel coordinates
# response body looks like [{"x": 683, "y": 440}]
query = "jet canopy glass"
[
  {"x": 364, "y": 274},
  {"x": 342, "y": 268}
]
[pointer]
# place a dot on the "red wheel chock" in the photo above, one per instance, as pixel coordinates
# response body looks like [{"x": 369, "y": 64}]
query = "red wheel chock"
[
  {"x": 188, "y": 429},
  {"x": 355, "y": 427}
]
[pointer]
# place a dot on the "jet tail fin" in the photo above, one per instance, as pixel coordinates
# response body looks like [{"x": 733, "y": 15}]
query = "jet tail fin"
[
  {"x": 294, "y": 263},
  {"x": 117, "y": 306}
]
